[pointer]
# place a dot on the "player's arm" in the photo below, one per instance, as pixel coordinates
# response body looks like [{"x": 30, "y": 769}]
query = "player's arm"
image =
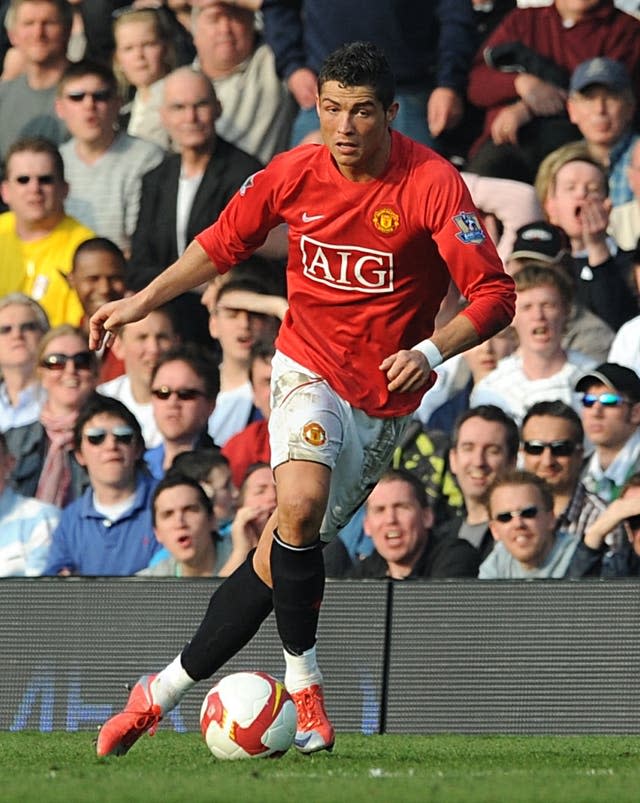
[
  {"x": 193, "y": 268},
  {"x": 408, "y": 370}
]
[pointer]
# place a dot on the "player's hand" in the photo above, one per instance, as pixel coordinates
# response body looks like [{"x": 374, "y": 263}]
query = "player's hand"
[
  {"x": 107, "y": 321},
  {"x": 407, "y": 371}
]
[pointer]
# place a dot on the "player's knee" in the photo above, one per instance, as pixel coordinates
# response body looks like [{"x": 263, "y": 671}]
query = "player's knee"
[{"x": 299, "y": 520}]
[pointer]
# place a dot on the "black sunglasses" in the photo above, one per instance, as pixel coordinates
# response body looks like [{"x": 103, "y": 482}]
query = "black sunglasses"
[
  {"x": 633, "y": 522},
  {"x": 23, "y": 328},
  {"x": 561, "y": 448},
  {"x": 121, "y": 434},
  {"x": 46, "y": 180},
  {"x": 99, "y": 96},
  {"x": 82, "y": 361},
  {"x": 526, "y": 513},
  {"x": 184, "y": 394},
  {"x": 605, "y": 399}
]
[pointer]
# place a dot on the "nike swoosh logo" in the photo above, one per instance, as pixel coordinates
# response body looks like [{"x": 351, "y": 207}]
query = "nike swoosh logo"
[
  {"x": 308, "y": 218},
  {"x": 302, "y": 741}
]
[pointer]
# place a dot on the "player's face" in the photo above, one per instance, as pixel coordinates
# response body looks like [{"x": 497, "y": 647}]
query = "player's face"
[
  {"x": 180, "y": 420},
  {"x": 189, "y": 110},
  {"x": 601, "y": 114},
  {"x": 183, "y": 524},
  {"x": 610, "y": 426},
  {"x": 139, "y": 52},
  {"x": 396, "y": 522},
  {"x": 67, "y": 386},
  {"x": 540, "y": 319},
  {"x": 20, "y": 334},
  {"x": 112, "y": 462},
  {"x": 560, "y": 471},
  {"x": 97, "y": 277},
  {"x": 528, "y": 540},
  {"x": 355, "y": 128},
  {"x": 89, "y": 108},
  {"x": 480, "y": 453},
  {"x": 141, "y": 343},
  {"x": 575, "y": 182},
  {"x": 38, "y": 33},
  {"x": 32, "y": 189}
]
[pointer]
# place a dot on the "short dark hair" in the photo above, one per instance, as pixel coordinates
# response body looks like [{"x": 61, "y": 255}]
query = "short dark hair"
[
  {"x": 536, "y": 274},
  {"x": 79, "y": 69},
  {"x": 360, "y": 64},
  {"x": 248, "y": 284},
  {"x": 201, "y": 362},
  {"x": 518, "y": 477},
  {"x": 197, "y": 463},
  {"x": 402, "y": 475},
  {"x": 99, "y": 244},
  {"x": 172, "y": 480},
  {"x": 250, "y": 470},
  {"x": 36, "y": 145},
  {"x": 262, "y": 349},
  {"x": 98, "y": 404},
  {"x": 495, "y": 414},
  {"x": 557, "y": 409}
]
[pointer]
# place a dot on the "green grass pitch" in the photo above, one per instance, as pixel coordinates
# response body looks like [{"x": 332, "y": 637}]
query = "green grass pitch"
[{"x": 38, "y": 768}]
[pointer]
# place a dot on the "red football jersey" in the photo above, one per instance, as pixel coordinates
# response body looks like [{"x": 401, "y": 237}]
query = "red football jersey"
[{"x": 369, "y": 263}]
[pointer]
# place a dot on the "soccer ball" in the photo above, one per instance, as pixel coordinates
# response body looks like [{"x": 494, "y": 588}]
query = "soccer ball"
[{"x": 248, "y": 715}]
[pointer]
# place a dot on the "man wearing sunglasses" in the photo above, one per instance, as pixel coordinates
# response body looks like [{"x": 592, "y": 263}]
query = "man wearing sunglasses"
[
  {"x": 108, "y": 530},
  {"x": 552, "y": 448},
  {"x": 37, "y": 237},
  {"x": 104, "y": 166},
  {"x": 610, "y": 416},
  {"x": 184, "y": 386},
  {"x": 523, "y": 524}
]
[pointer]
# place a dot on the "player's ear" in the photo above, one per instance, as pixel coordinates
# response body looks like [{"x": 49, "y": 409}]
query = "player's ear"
[{"x": 392, "y": 112}]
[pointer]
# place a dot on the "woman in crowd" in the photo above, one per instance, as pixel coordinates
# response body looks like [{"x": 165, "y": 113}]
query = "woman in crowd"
[{"x": 45, "y": 465}]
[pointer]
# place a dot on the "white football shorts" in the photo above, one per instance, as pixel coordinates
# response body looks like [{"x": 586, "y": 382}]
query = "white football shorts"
[{"x": 310, "y": 421}]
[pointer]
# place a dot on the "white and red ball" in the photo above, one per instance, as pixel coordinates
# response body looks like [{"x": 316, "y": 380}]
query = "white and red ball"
[{"x": 248, "y": 715}]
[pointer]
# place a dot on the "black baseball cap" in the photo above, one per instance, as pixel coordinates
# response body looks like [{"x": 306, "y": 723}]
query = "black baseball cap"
[
  {"x": 540, "y": 240},
  {"x": 614, "y": 376}
]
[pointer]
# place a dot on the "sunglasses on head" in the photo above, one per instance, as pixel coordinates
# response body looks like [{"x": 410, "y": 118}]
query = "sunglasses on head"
[
  {"x": 82, "y": 361},
  {"x": 526, "y": 513},
  {"x": 46, "y": 180},
  {"x": 121, "y": 434},
  {"x": 184, "y": 394},
  {"x": 605, "y": 399},
  {"x": 23, "y": 328},
  {"x": 559, "y": 448},
  {"x": 99, "y": 96}
]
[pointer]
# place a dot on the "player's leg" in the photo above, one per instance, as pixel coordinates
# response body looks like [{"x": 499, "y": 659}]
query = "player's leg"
[
  {"x": 292, "y": 562},
  {"x": 236, "y": 610}
]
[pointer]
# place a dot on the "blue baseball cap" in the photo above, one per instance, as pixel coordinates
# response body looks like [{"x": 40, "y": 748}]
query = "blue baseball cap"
[{"x": 601, "y": 70}]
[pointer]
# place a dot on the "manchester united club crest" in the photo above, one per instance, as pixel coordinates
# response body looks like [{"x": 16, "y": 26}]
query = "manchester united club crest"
[
  {"x": 386, "y": 220},
  {"x": 314, "y": 434}
]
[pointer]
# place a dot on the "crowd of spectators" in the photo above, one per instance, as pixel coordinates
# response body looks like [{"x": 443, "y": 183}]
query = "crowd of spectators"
[{"x": 126, "y": 127}]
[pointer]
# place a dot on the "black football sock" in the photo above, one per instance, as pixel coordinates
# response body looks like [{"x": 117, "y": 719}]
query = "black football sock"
[
  {"x": 298, "y": 586},
  {"x": 236, "y": 611}
]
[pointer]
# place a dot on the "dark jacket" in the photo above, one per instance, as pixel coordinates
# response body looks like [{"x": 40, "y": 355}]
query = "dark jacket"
[
  {"x": 442, "y": 558},
  {"x": 154, "y": 244}
]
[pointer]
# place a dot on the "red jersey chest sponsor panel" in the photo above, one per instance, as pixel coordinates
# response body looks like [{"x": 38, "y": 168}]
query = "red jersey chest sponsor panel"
[{"x": 369, "y": 263}]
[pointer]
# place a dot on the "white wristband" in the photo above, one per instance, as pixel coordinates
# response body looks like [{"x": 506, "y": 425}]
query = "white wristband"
[{"x": 430, "y": 351}]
